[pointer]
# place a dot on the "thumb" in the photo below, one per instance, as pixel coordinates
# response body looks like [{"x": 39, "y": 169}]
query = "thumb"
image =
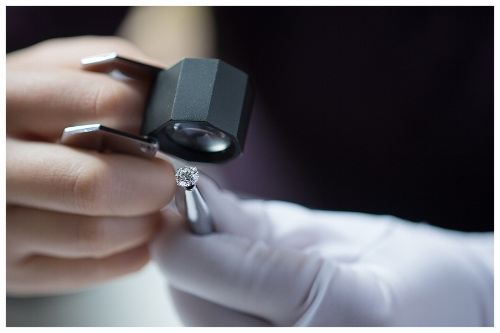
[
  {"x": 238, "y": 269},
  {"x": 284, "y": 287},
  {"x": 244, "y": 275},
  {"x": 231, "y": 215}
]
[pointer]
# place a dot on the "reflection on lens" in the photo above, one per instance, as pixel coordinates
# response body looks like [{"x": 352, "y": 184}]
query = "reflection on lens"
[{"x": 198, "y": 137}]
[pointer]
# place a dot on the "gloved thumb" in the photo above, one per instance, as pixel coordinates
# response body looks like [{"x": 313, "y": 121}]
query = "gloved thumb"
[
  {"x": 237, "y": 273},
  {"x": 234, "y": 216},
  {"x": 282, "y": 286}
]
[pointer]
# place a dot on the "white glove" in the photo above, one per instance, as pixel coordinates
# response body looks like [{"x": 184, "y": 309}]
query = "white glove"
[{"x": 276, "y": 263}]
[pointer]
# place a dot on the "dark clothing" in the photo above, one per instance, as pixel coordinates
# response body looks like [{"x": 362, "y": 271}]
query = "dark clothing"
[{"x": 383, "y": 110}]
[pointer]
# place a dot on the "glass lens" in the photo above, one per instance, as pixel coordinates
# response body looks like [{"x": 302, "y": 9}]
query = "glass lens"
[{"x": 198, "y": 137}]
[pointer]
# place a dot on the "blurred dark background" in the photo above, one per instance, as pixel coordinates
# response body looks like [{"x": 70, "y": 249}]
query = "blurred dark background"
[{"x": 384, "y": 110}]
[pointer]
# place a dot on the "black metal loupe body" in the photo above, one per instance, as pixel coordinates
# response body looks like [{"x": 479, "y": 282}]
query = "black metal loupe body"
[{"x": 199, "y": 110}]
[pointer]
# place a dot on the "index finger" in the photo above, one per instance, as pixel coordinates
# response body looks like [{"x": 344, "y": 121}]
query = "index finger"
[
  {"x": 59, "y": 178},
  {"x": 42, "y": 103}
]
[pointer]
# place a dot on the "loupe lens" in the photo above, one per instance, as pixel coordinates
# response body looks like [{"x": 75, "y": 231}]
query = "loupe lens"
[{"x": 198, "y": 137}]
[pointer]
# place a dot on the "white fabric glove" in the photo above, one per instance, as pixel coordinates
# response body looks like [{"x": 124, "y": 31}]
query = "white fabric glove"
[{"x": 277, "y": 263}]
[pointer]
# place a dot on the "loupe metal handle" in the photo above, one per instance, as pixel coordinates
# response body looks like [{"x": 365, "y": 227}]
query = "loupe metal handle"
[
  {"x": 194, "y": 208},
  {"x": 104, "y": 139}
]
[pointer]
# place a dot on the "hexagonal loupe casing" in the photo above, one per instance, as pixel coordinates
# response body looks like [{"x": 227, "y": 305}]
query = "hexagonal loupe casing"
[{"x": 199, "y": 110}]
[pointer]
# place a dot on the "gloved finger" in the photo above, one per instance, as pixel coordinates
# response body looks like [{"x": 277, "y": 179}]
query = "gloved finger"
[
  {"x": 56, "y": 177},
  {"x": 237, "y": 273},
  {"x": 339, "y": 235},
  {"x": 41, "y": 275},
  {"x": 234, "y": 216},
  {"x": 283, "y": 287},
  {"x": 65, "y": 98},
  {"x": 195, "y": 311},
  {"x": 41, "y": 232},
  {"x": 67, "y": 52}
]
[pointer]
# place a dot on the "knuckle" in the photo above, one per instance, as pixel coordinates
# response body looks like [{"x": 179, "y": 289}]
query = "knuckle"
[
  {"x": 112, "y": 101},
  {"x": 88, "y": 185},
  {"x": 103, "y": 101}
]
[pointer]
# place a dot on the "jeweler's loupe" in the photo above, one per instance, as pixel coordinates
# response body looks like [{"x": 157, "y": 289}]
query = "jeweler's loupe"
[{"x": 197, "y": 110}]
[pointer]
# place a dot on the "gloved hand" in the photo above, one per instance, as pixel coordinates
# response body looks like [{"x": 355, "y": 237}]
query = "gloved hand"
[{"x": 277, "y": 263}]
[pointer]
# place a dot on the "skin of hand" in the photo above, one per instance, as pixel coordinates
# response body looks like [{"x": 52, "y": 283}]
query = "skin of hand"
[
  {"x": 75, "y": 217},
  {"x": 273, "y": 263}
]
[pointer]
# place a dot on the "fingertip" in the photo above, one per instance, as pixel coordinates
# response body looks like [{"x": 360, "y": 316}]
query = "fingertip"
[
  {"x": 233, "y": 215},
  {"x": 140, "y": 187},
  {"x": 168, "y": 170},
  {"x": 77, "y": 181}
]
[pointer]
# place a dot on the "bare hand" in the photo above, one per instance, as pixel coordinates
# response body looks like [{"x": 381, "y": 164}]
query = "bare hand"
[{"x": 75, "y": 217}]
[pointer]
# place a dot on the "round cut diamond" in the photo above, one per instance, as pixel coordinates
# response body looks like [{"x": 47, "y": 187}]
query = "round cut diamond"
[{"x": 187, "y": 176}]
